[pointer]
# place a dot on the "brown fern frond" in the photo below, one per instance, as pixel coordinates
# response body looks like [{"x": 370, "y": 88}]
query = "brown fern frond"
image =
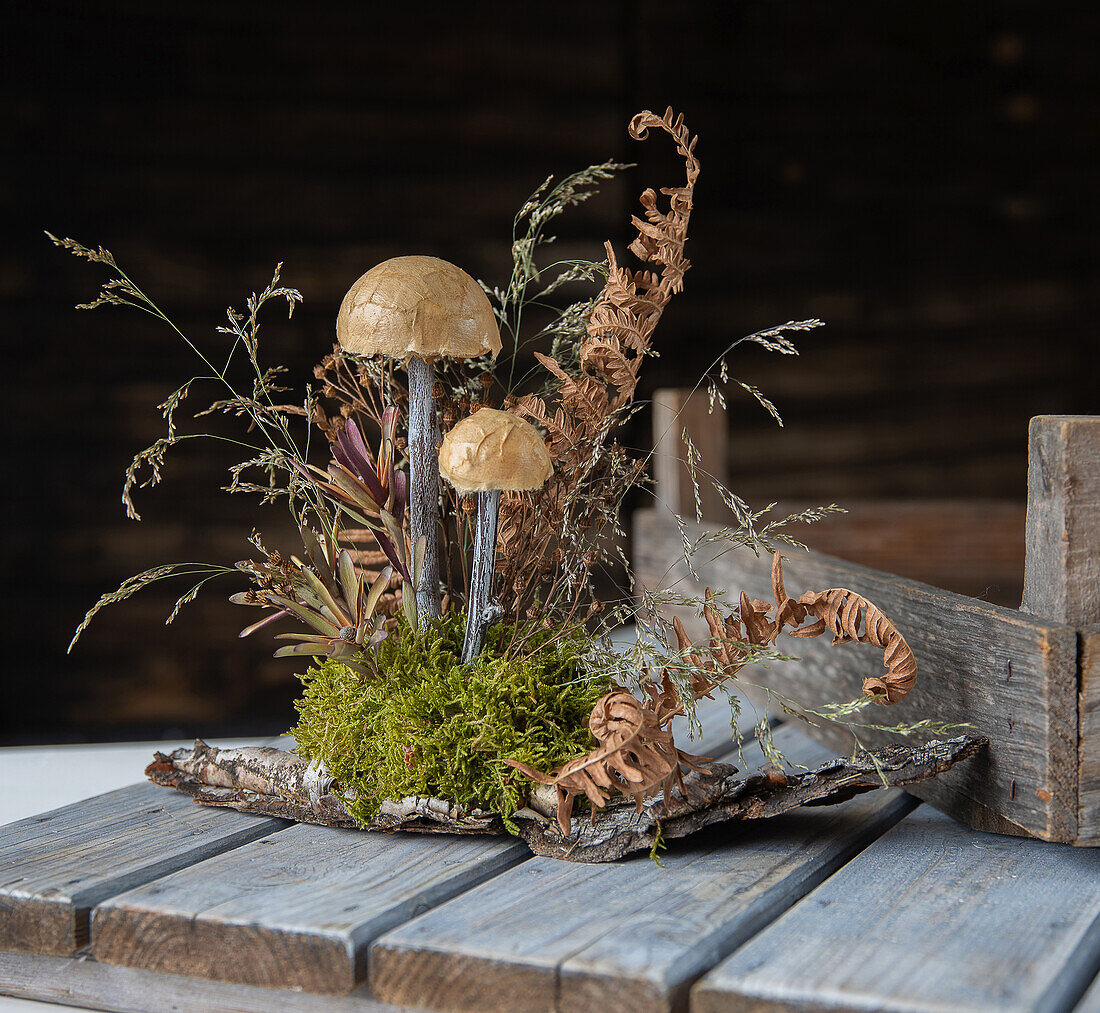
[
  {"x": 636, "y": 756},
  {"x": 850, "y": 618},
  {"x": 590, "y": 399}
]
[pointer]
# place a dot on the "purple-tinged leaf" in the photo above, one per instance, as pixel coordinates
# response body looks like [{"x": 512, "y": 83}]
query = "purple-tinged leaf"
[
  {"x": 408, "y": 606},
  {"x": 267, "y": 620},
  {"x": 301, "y": 651},
  {"x": 327, "y": 597},
  {"x": 353, "y": 451},
  {"x": 395, "y": 550},
  {"x": 400, "y": 490},
  {"x": 353, "y": 443},
  {"x": 301, "y": 469},
  {"x": 387, "y": 546},
  {"x": 358, "y": 493},
  {"x": 349, "y": 582}
]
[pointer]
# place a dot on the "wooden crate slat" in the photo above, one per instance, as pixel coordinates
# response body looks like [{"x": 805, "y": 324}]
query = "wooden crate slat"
[
  {"x": 83, "y": 981},
  {"x": 1090, "y": 1001},
  {"x": 1012, "y": 675},
  {"x": 295, "y": 911},
  {"x": 1062, "y": 565},
  {"x": 626, "y": 936},
  {"x": 60, "y": 864},
  {"x": 1088, "y": 738},
  {"x": 932, "y": 916}
]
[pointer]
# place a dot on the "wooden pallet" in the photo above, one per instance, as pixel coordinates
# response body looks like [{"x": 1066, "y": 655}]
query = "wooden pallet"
[
  {"x": 1028, "y": 678},
  {"x": 140, "y": 900}
]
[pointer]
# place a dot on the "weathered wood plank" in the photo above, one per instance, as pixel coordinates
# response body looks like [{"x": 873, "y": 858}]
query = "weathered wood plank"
[
  {"x": 83, "y": 981},
  {"x": 933, "y": 916},
  {"x": 1062, "y": 565},
  {"x": 295, "y": 911},
  {"x": 676, "y": 409},
  {"x": 1088, "y": 737},
  {"x": 626, "y": 936},
  {"x": 1090, "y": 1001},
  {"x": 972, "y": 547},
  {"x": 59, "y": 865},
  {"x": 969, "y": 546},
  {"x": 1013, "y": 676}
]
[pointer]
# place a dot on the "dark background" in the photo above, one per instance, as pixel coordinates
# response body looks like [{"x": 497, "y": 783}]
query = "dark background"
[{"x": 921, "y": 176}]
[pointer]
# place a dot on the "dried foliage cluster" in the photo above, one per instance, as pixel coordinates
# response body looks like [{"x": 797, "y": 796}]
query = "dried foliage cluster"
[
  {"x": 637, "y": 755},
  {"x": 566, "y": 524},
  {"x": 351, "y": 585}
]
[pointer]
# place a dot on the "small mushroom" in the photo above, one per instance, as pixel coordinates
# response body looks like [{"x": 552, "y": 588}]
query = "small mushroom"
[
  {"x": 486, "y": 453},
  {"x": 419, "y": 309}
]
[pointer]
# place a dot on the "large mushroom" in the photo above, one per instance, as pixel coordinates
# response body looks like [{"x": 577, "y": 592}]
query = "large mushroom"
[
  {"x": 418, "y": 310},
  {"x": 489, "y": 452}
]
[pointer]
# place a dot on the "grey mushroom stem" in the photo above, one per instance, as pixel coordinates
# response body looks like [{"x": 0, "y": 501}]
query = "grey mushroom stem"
[
  {"x": 424, "y": 484},
  {"x": 480, "y": 613}
]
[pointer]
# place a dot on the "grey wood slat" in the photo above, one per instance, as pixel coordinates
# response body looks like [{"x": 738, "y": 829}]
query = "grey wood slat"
[
  {"x": 626, "y": 936},
  {"x": 1090, "y": 1001},
  {"x": 83, "y": 981},
  {"x": 1062, "y": 562},
  {"x": 933, "y": 916},
  {"x": 296, "y": 910},
  {"x": 1013, "y": 676},
  {"x": 1088, "y": 735},
  {"x": 56, "y": 866}
]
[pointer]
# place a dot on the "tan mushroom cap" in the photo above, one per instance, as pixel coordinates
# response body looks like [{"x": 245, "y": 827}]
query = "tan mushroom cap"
[
  {"x": 419, "y": 306},
  {"x": 494, "y": 450}
]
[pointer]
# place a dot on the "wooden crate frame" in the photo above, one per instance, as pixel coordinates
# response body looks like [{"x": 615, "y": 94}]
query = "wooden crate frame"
[{"x": 1028, "y": 678}]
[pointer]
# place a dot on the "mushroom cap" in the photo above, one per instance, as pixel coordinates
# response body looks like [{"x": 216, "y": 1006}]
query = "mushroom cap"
[
  {"x": 420, "y": 306},
  {"x": 494, "y": 450}
]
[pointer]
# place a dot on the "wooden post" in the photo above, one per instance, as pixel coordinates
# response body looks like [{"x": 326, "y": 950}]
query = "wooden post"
[
  {"x": 674, "y": 410},
  {"x": 1062, "y": 565},
  {"x": 1062, "y": 573}
]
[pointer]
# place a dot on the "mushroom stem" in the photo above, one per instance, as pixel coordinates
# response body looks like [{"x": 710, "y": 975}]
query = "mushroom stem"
[
  {"x": 480, "y": 614},
  {"x": 424, "y": 484}
]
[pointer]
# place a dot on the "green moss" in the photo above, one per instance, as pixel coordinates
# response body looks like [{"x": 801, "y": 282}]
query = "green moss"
[{"x": 429, "y": 725}]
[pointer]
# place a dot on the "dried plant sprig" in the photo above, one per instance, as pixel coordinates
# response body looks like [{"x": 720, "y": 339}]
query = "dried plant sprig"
[
  {"x": 258, "y": 405},
  {"x": 276, "y": 450},
  {"x": 575, "y": 517},
  {"x": 636, "y": 751},
  {"x": 131, "y": 585}
]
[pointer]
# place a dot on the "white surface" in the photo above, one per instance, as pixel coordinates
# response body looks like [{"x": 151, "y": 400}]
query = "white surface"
[{"x": 35, "y": 779}]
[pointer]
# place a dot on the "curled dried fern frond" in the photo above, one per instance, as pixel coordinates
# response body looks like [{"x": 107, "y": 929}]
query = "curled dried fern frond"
[
  {"x": 636, "y": 756},
  {"x": 850, "y": 618}
]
